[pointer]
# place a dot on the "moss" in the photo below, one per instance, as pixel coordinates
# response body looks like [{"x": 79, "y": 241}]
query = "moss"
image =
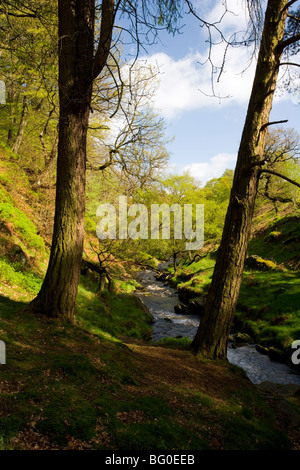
[
  {"x": 4, "y": 196},
  {"x": 21, "y": 224},
  {"x": 14, "y": 274},
  {"x": 62, "y": 424},
  {"x": 255, "y": 262},
  {"x": 274, "y": 236}
]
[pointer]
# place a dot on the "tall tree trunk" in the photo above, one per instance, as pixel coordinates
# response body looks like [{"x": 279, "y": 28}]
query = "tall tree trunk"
[
  {"x": 76, "y": 44},
  {"x": 212, "y": 335},
  {"x": 78, "y": 67}
]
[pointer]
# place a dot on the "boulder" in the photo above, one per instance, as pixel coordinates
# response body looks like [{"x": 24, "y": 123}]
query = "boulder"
[
  {"x": 261, "y": 349},
  {"x": 242, "y": 338},
  {"x": 181, "y": 309},
  {"x": 257, "y": 263},
  {"x": 276, "y": 355},
  {"x": 196, "y": 306},
  {"x": 18, "y": 254}
]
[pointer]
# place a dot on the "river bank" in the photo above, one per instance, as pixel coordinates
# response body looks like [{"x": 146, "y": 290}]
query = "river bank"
[
  {"x": 278, "y": 384},
  {"x": 161, "y": 299}
]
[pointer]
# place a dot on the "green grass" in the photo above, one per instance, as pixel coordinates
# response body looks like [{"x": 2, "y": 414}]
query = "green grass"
[
  {"x": 63, "y": 370},
  {"x": 177, "y": 343},
  {"x": 268, "y": 307},
  {"x": 22, "y": 225},
  {"x": 280, "y": 241},
  {"x": 78, "y": 387},
  {"x": 111, "y": 316},
  {"x": 15, "y": 274}
]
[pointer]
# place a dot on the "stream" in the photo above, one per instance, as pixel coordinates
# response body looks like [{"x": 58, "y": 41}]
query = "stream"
[{"x": 160, "y": 300}]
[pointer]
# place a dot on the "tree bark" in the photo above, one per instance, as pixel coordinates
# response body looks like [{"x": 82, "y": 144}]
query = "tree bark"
[
  {"x": 212, "y": 335},
  {"x": 77, "y": 64},
  {"x": 76, "y": 45}
]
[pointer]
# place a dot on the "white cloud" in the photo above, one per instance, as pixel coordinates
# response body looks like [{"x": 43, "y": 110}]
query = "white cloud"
[
  {"x": 185, "y": 84},
  {"x": 213, "y": 169},
  {"x": 234, "y": 19}
]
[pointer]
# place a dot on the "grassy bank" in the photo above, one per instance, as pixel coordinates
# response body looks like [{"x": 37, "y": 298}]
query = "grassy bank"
[{"x": 268, "y": 306}]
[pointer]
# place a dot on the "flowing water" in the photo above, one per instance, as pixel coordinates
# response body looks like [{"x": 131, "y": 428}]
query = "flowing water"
[{"x": 160, "y": 300}]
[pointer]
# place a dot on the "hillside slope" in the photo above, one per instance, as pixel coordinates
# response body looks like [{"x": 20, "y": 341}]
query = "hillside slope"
[{"x": 23, "y": 251}]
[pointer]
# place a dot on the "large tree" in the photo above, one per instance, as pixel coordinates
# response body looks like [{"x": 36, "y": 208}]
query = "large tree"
[
  {"x": 77, "y": 69},
  {"x": 212, "y": 335},
  {"x": 80, "y": 63}
]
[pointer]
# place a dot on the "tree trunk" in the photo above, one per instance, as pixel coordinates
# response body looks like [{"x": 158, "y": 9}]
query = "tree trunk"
[
  {"x": 212, "y": 335},
  {"x": 22, "y": 125},
  {"x": 11, "y": 94},
  {"x": 102, "y": 282},
  {"x": 45, "y": 178},
  {"x": 76, "y": 44}
]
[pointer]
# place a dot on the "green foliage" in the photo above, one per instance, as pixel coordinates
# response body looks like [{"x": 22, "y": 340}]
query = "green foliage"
[
  {"x": 29, "y": 69},
  {"x": 25, "y": 227},
  {"x": 15, "y": 275},
  {"x": 177, "y": 189}
]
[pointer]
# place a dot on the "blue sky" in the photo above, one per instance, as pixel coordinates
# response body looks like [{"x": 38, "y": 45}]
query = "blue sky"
[{"x": 207, "y": 130}]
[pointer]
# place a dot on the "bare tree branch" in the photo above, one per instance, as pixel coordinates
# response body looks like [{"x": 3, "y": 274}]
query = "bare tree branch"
[
  {"x": 272, "y": 124},
  {"x": 289, "y": 4},
  {"x": 107, "y": 23},
  {"x": 288, "y": 42},
  {"x": 293, "y": 64},
  {"x": 275, "y": 173}
]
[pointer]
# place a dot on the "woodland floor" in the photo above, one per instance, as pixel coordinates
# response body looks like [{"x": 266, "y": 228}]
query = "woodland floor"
[
  {"x": 64, "y": 388},
  {"x": 170, "y": 367}
]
